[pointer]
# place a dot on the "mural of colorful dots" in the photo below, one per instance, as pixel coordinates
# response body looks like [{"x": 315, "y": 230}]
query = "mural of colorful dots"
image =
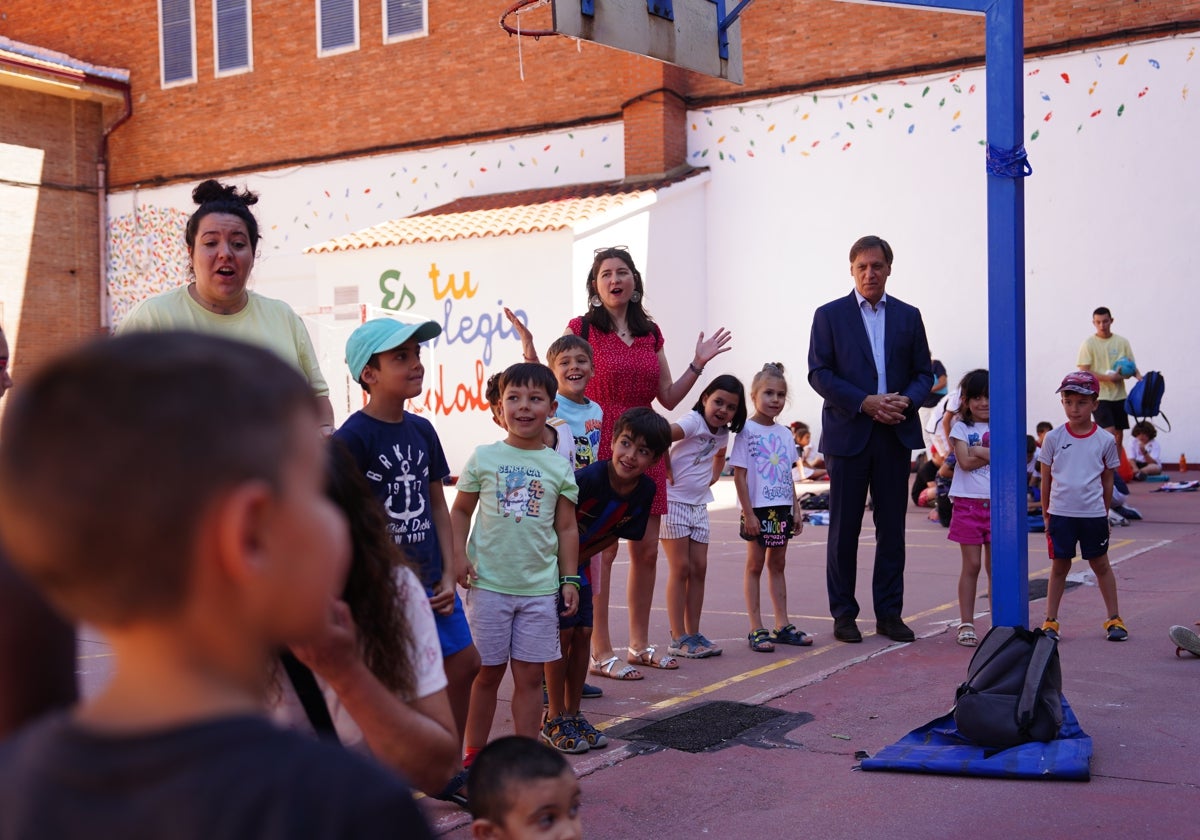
[{"x": 146, "y": 256}]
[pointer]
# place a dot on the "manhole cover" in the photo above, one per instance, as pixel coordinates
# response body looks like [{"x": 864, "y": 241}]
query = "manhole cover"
[
  {"x": 1037, "y": 587},
  {"x": 711, "y": 725}
]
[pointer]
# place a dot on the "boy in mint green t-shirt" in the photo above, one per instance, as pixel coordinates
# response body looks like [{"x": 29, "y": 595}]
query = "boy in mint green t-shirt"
[{"x": 523, "y": 549}]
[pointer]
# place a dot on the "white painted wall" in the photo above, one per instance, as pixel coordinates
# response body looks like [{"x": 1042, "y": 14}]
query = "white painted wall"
[
  {"x": 763, "y": 240},
  {"x": 1111, "y": 215}
]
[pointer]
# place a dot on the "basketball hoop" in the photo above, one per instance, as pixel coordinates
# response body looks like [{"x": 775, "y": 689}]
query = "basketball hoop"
[
  {"x": 515, "y": 11},
  {"x": 524, "y": 7}
]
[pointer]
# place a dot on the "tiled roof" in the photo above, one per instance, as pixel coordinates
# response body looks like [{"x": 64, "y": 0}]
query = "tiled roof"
[
  {"x": 39, "y": 57},
  {"x": 504, "y": 214}
]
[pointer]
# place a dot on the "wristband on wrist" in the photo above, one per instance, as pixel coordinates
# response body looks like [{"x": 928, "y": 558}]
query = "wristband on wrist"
[
  {"x": 696, "y": 370},
  {"x": 573, "y": 580}
]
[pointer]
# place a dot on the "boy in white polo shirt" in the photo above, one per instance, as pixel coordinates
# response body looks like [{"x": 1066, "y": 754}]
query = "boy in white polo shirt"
[{"x": 1077, "y": 485}]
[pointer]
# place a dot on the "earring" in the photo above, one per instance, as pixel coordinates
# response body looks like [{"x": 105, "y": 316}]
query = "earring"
[
  {"x": 635, "y": 297},
  {"x": 594, "y": 300}
]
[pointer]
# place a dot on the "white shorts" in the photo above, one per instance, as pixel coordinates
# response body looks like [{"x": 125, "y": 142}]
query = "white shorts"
[
  {"x": 522, "y": 627},
  {"x": 684, "y": 520}
]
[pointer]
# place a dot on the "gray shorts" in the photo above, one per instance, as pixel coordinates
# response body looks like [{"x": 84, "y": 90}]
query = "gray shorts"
[{"x": 522, "y": 627}]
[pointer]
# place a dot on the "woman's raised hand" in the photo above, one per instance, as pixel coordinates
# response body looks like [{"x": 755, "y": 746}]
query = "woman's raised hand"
[{"x": 708, "y": 349}]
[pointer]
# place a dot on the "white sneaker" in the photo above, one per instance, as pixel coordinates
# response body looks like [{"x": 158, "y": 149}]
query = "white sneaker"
[
  {"x": 1115, "y": 518},
  {"x": 1184, "y": 639}
]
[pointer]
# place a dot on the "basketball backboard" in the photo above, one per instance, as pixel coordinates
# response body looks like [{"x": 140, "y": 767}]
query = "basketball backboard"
[{"x": 682, "y": 32}]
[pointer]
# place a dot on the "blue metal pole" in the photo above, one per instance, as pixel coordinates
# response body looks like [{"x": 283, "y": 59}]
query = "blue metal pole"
[{"x": 1006, "y": 317}]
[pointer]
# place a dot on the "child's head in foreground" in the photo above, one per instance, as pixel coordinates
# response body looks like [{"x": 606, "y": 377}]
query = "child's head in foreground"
[
  {"x": 570, "y": 357},
  {"x": 640, "y": 437},
  {"x": 520, "y": 788},
  {"x": 140, "y": 470}
]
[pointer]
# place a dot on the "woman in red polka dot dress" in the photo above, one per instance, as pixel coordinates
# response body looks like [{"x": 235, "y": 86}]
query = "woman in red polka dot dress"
[{"x": 631, "y": 371}]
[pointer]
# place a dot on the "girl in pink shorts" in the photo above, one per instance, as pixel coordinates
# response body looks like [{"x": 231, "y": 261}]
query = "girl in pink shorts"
[{"x": 971, "y": 523}]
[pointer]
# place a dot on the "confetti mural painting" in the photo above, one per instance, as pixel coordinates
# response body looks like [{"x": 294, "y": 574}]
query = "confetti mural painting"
[
  {"x": 306, "y": 205},
  {"x": 1072, "y": 93},
  {"x": 146, "y": 255}
]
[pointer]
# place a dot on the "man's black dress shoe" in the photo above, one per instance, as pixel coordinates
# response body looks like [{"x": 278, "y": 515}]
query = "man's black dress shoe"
[
  {"x": 895, "y": 629},
  {"x": 845, "y": 630}
]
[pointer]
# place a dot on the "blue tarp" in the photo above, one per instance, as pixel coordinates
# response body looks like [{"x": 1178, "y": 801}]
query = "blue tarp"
[{"x": 937, "y": 747}]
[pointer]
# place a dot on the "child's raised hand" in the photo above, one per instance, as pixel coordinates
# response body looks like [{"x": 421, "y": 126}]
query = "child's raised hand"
[
  {"x": 709, "y": 349},
  {"x": 570, "y": 597},
  {"x": 523, "y": 333}
]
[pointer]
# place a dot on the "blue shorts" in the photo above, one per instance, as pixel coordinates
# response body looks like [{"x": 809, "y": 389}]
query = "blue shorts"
[
  {"x": 583, "y": 615},
  {"x": 1065, "y": 531},
  {"x": 453, "y": 631}
]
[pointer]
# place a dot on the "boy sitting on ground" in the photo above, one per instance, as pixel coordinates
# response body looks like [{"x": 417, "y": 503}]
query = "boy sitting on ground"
[
  {"x": 169, "y": 490},
  {"x": 1144, "y": 451},
  {"x": 522, "y": 789}
]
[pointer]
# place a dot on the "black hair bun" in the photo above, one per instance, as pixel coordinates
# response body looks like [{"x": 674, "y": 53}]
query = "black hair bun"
[{"x": 213, "y": 190}]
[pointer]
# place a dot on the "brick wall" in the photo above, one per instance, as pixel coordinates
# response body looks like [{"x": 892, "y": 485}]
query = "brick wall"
[
  {"x": 49, "y": 258},
  {"x": 462, "y": 81}
]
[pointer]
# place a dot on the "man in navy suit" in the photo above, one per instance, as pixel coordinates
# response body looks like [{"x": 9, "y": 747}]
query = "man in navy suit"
[{"x": 869, "y": 358}]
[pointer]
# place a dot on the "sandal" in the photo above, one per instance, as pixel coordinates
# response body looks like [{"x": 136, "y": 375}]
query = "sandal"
[
  {"x": 760, "y": 641},
  {"x": 966, "y": 634},
  {"x": 594, "y": 737},
  {"x": 608, "y": 668},
  {"x": 561, "y": 734},
  {"x": 1116, "y": 629},
  {"x": 454, "y": 790},
  {"x": 713, "y": 648},
  {"x": 689, "y": 647},
  {"x": 645, "y": 657},
  {"x": 789, "y": 635}
]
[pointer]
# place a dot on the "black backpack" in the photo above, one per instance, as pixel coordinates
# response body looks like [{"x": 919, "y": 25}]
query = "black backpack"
[
  {"x": 1145, "y": 398},
  {"x": 1013, "y": 692}
]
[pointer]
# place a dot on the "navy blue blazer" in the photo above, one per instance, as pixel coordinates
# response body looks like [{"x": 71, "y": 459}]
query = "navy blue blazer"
[{"x": 841, "y": 368}]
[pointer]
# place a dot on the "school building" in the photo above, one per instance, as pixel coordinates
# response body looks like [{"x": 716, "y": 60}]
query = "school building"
[{"x": 413, "y": 159}]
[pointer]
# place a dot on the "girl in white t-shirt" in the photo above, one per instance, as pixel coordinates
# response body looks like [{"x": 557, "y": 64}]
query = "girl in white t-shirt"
[
  {"x": 971, "y": 490},
  {"x": 762, "y": 458},
  {"x": 697, "y": 458}
]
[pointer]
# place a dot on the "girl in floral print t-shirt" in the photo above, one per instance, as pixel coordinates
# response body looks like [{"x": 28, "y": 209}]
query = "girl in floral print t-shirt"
[{"x": 762, "y": 458}]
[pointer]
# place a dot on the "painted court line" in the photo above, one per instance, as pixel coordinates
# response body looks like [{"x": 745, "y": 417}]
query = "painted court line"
[{"x": 792, "y": 685}]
